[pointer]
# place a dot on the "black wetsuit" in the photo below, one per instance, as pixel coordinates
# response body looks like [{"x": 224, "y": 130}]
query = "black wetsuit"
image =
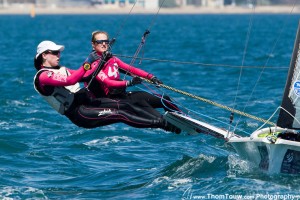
[
  {"x": 105, "y": 111},
  {"x": 147, "y": 101}
]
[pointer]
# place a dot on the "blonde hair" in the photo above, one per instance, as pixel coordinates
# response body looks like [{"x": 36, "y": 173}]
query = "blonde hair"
[{"x": 94, "y": 33}]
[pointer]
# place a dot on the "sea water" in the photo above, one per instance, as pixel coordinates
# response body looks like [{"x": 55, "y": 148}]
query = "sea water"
[{"x": 44, "y": 156}]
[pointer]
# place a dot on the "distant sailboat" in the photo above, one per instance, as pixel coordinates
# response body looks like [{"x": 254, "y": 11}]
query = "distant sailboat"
[{"x": 32, "y": 11}]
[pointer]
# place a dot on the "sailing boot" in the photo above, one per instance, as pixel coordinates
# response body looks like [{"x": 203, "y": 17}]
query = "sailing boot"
[
  {"x": 163, "y": 124},
  {"x": 170, "y": 127}
]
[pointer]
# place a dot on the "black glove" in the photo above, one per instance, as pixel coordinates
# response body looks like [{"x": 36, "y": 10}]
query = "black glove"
[
  {"x": 135, "y": 80},
  {"x": 156, "y": 80}
]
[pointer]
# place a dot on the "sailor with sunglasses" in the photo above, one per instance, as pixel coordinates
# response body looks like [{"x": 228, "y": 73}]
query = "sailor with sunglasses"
[
  {"x": 109, "y": 84},
  {"x": 59, "y": 86}
]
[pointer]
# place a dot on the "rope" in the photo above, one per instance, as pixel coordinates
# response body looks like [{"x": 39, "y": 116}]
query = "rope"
[{"x": 213, "y": 103}]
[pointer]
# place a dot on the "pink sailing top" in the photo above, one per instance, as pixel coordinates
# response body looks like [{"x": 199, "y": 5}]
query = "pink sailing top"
[
  {"x": 109, "y": 76},
  {"x": 70, "y": 77}
]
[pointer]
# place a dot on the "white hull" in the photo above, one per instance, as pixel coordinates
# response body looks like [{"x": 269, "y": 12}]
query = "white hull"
[
  {"x": 270, "y": 149},
  {"x": 269, "y": 153}
]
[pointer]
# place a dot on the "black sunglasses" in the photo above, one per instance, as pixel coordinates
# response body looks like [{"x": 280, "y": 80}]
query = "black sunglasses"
[
  {"x": 101, "y": 41},
  {"x": 53, "y": 52}
]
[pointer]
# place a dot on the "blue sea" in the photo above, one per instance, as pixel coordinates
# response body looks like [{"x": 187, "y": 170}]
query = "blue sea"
[{"x": 44, "y": 156}]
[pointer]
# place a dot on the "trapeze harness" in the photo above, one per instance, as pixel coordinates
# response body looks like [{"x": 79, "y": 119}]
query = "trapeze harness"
[
  {"x": 90, "y": 113},
  {"x": 59, "y": 98}
]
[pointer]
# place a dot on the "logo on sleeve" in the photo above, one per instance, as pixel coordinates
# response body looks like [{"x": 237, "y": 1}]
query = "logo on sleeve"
[{"x": 49, "y": 74}]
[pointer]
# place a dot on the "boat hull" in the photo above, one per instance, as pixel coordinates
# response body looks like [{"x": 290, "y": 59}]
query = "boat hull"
[{"x": 269, "y": 153}]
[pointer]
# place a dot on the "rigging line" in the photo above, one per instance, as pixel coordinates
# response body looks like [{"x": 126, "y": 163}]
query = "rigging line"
[
  {"x": 231, "y": 117},
  {"x": 143, "y": 40},
  {"x": 191, "y": 112},
  {"x": 213, "y": 103},
  {"x": 217, "y": 120},
  {"x": 124, "y": 20},
  {"x": 146, "y": 33},
  {"x": 161, "y": 96},
  {"x": 269, "y": 57},
  {"x": 280, "y": 107},
  {"x": 160, "y": 6},
  {"x": 268, "y": 119},
  {"x": 244, "y": 53},
  {"x": 150, "y": 91},
  {"x": 195, "y": 63}
]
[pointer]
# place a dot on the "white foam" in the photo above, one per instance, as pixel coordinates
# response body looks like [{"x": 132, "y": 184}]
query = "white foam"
[
  {"x": 159, "y": 180},
  {"x": 4, "y": 125},
  {"x": 12, "y": 193},
  {"x": 17, "y": 103},
  {"x": 237, "y": 166},
  {"x": 179, "y": 182},
  {"x": 209, "y": 159},
  {"x": 147, "y": 169},
  {"x": 108, "y": 141},
  {"x": 172, "y": 183}
]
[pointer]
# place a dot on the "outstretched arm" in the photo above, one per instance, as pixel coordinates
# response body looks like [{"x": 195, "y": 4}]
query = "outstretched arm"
[
  {"x": 57, "y": 79},
  {"x": 138, "y": 72},
  {"x": 133, "y": 70}
]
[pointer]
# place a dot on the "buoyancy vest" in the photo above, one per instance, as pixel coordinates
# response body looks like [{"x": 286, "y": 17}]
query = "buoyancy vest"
[{"x": 60, "y": 98}]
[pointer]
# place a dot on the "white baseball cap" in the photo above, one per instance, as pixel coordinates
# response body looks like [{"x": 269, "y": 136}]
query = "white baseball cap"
[{"x": 48, "y": 45}]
